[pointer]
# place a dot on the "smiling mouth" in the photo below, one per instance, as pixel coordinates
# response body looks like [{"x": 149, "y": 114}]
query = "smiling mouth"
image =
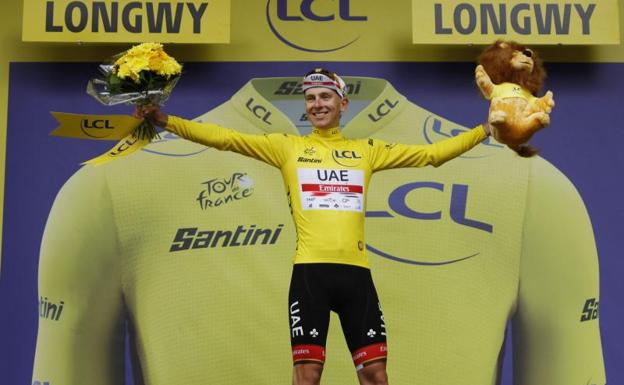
[{"x": 319, "y": 115}]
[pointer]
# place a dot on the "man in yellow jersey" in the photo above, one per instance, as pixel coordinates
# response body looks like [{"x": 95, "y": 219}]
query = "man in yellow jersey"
[{"x": 326, "y": 178}]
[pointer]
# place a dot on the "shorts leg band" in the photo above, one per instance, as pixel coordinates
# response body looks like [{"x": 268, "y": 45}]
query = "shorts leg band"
[
  {"x": 369, "y": 353},
  {"x": 308, "y": 353}
]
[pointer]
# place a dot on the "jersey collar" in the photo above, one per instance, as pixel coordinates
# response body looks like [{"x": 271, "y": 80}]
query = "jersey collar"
[
  {"x": 387, "y": 105},
  {"x": 256, "y": 101},
  {"x": 251, "y": 103},
  {"x": 327, "y": 134}
]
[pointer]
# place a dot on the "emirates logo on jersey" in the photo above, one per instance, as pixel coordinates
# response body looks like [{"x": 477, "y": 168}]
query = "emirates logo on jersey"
[{"x": 222, "y": 191}]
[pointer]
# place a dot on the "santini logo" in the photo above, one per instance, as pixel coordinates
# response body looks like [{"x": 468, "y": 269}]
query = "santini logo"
[
  {"x": 302, "y": 159},
  {"x": 591, "y": 310},
  {"x": 292, "y": 20},
  {"x": 50, "y": 310},
  {"x": 194, "y": 238},
  {"x": 296, "y": 88}
]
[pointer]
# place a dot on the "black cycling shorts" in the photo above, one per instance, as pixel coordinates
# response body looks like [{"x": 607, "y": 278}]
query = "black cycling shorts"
[{"x": 318, "y": 288}]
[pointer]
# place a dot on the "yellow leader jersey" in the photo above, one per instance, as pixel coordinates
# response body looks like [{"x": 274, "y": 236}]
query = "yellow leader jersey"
[
  {"x": 187, "y": 250},
  {"x": 326, "y": 178},
  {"x": 511, "y": 90}
]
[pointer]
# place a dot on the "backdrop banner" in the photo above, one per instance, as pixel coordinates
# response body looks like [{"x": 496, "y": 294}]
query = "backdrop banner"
[
  {"x": 582, "y": 143},
  {"x": 536, "y": 22},
  {"x": 195, "y": 22}
]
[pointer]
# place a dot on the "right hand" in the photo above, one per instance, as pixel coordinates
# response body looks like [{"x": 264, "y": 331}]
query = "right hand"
[{"x": 152, "y": 113}]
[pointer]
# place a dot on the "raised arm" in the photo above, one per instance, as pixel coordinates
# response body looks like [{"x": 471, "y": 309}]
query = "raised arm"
[
  {"x": 394, "y": 155},
  {"x": 556, "y": 331},
  {"x": 81, "y": 313},
  {"x": 269, "y": 148}
]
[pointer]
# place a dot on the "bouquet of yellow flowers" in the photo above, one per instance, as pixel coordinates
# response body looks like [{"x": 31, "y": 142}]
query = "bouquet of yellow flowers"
[{"x": 144, "y": 75}]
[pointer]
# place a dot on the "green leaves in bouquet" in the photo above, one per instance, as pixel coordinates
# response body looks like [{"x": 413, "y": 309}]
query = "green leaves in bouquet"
[
  {"x": 147, "y": 81},
  {"x": 146, "y": 130}
]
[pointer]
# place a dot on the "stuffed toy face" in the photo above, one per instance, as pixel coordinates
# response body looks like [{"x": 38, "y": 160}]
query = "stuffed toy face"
[{"x": 522, "y": 60}]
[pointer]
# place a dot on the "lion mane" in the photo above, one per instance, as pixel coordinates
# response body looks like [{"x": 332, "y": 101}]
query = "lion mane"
[{"x": 496, "y": 59}]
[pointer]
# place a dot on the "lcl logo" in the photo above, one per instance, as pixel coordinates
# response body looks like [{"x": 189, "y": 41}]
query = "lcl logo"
[
  {"x": 312, "y": 11},
  {"x": 455, "y": 209},
  {"x": 96, "y": 128}
]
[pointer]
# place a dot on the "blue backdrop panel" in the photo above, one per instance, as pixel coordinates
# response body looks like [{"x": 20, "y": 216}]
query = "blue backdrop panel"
[{"x": 584, "y": 142}]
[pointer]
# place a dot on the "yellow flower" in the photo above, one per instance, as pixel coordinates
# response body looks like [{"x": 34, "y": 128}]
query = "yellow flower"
[
  {"x": 144, "y": 49},
  {"x": 146, "y": 56},
  {"x": 165, "y": 65}
]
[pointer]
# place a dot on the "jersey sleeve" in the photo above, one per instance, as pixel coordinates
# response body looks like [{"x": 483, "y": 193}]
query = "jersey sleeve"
[
  {"x": 269, "y": 148},
  {"x": 395, "y": 155},
  {"x": 556, "y": 332},
  {"x": 81, "y": 318}
]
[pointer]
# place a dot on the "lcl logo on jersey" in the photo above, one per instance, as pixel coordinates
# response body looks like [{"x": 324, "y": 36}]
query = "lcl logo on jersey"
[
  {"x": 293, "y": 23},
  {"x": 456, "y": 210},
  {"x": 347, "y": 158},
  {"x": 433, "y": 131}
]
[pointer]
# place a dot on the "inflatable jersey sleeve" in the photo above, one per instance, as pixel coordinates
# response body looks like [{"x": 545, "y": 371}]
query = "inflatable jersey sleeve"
[
  {"x": 556, "y": 333},
  {"x": 81, "y": 322},
  {"x": 394, "y": 155}
]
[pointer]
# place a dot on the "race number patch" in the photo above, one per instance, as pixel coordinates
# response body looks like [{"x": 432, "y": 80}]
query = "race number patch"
[{"x": 330, "y": 189}]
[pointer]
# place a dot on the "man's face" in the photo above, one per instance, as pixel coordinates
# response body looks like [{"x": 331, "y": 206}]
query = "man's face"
[{"x": 324, "y": 107}]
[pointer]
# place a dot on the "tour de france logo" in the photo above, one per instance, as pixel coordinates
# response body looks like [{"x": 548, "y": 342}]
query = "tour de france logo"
[
  {"x": 293, "y": 23},
  {"x": 223, "y": 190}
]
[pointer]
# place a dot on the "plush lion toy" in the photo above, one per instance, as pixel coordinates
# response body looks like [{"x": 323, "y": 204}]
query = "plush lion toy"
[{"x": 510, "y": 76}]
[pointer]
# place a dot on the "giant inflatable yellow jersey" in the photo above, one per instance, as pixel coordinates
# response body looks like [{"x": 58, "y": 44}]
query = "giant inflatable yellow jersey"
[{"x": 188, "y": 250}]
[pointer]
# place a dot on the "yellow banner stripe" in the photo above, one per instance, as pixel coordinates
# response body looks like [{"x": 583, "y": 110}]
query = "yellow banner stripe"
[
  {"x": 125, "y": 147},
  {"x": 99, "y": 127}
]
